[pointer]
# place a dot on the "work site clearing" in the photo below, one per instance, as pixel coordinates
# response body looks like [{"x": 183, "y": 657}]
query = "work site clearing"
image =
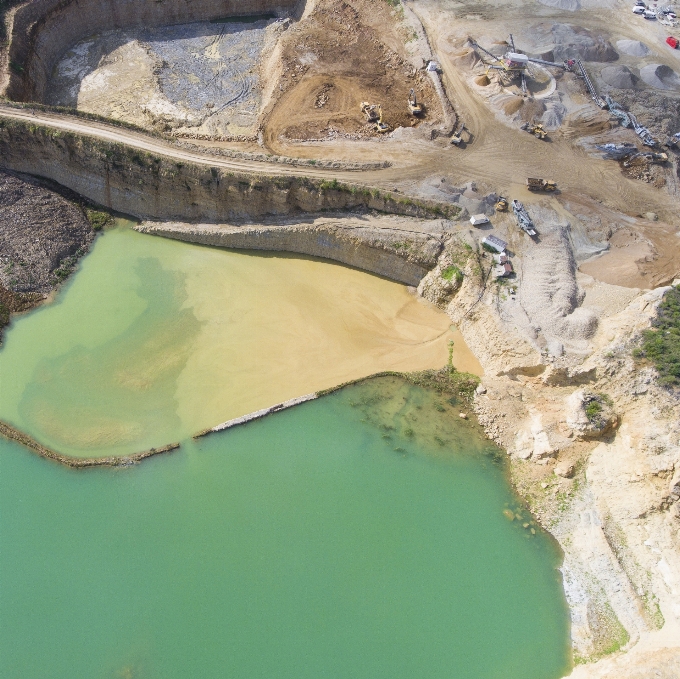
[{"x": 551, "y": 130}]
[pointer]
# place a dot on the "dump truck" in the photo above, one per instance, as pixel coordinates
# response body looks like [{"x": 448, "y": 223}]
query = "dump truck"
[
  {"x": 536, "y": 184},
  {"x": 414, "y": 107}
]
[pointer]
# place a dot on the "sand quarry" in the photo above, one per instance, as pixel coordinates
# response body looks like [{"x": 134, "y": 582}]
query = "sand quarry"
[{"x": 292, "y": 85}]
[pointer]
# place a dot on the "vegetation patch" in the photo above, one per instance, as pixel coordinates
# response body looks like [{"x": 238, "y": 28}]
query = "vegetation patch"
[
  {"x": 452, "y": 273},
  {"x": 98, "y": 219},
  {"x": 661, "y": 343}
]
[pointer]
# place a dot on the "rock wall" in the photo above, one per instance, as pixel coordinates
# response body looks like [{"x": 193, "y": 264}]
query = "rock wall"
[
  {"x": 42, "y": 30},
  {"x": 158, "y": 188}
]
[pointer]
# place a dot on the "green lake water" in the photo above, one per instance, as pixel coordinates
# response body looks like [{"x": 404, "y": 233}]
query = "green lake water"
[
  {"x": 371, "y": 533},
  {"x": 360, "y": 535}
]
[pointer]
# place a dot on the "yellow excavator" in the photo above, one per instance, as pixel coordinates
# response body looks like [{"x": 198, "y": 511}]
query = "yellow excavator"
[
  {"x": 381, "y": 126},
  {"x": 370, "y": 111},
  {"x": 414, "y": 107},
  {"x": 502, "y": 204}
]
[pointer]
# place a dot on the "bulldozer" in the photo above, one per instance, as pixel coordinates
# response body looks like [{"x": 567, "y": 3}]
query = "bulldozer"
[
  {"x": 370, "y": 111},
  {"x": 502, "y": 204},
  {"x": 536, "y": 129},
  {"x": 536, "y": 184},
  {"x": 381, "y": 126},
  {"x": 414, "y": 107}
]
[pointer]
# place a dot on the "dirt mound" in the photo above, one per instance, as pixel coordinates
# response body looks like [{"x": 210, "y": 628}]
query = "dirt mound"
[
  {"x": 42, "y": 235},
  {"x": 532, "y": 110},
  {"x": 634, "y": 48},
  {"x": 619, "y": 77},
  {"x": 483, "y": 80},
  {"x": 660, "y": 76},
  {"x": 574, "y": 41},
  {"x": 513, "y": 105}
]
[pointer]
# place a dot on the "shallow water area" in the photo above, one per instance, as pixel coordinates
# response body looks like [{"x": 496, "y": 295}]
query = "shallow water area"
[
  {"x": 154, "y": 340},
  {"x": 361, "y": 535}
]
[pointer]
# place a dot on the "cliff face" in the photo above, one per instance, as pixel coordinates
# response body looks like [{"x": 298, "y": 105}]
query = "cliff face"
[
  {"x": 158, "y": 188},
  {"x": 42, "y": 30}
]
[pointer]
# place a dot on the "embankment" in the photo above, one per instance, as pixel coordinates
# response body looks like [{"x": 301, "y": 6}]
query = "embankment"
[
  {"x": 160, "y": 188},
  {"x": 400, "y": 249},
  {"x": 42, "y": 30}
]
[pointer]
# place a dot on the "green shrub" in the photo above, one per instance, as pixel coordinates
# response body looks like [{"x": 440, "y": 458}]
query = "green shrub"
[
  {"x": 452, "y": 272},
  {"x": 661, "y": 343},
  {"x": 98, "y": 219}
]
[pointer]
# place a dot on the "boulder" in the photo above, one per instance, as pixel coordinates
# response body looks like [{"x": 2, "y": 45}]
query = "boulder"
[{"x": 564, "y": 469}]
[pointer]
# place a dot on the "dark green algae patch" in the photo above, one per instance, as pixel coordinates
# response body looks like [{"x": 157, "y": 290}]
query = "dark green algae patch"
[{"x": 364, "y": 534}]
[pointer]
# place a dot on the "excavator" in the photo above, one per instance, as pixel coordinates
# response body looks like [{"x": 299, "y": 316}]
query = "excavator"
[
  {"x": 414, "y": 107},
  {"x": 502, "y": 204},
  {"x": 381, "y": 126},
  {"x": 370, "y": 111}
]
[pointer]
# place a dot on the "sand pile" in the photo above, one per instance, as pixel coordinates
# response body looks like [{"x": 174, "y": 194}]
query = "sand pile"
[
  {"x": 568, "y": 5},
  {"x": 634, "y": 48},
  {"x": 619, "y": 77},
  {"x": 660, "y": 76},
  {"x": 549, "y": 292},
  {"x": 513, "y": 105},
  {"x": 483, "y": 80}
]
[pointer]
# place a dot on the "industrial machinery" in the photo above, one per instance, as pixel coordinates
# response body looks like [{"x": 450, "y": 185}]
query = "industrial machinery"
[
  {"x": 523, "y": 218},
  {"x": 414, "y": 107},
  {"x": 380, "y": 125},
  {"x": 536, "y": 129},
  {"x": 536, "y": 184},
  {"x": 370, "y": 111},
  {"x": 502, "y": 204}
]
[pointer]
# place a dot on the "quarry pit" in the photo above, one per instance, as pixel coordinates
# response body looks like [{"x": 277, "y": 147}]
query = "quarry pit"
[{"x": 238, "y": 124}]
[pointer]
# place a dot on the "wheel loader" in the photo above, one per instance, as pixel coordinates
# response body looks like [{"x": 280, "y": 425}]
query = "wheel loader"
[
  {"x": 536, "y": 129},
  {"x": 502, "y": 204}
]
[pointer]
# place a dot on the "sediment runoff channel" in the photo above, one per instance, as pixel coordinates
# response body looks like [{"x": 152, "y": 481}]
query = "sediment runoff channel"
[{"x": 369, "y": 533}]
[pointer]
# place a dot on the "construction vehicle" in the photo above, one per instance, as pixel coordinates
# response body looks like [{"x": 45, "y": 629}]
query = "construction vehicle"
[
  {"x": 457, "y": 136},
  {"x": 536, "y": 184},
  {"x": 414, "y": 107},
  {"x": 380, "y": 125},
  {"x": 536, "y": 129},
  {"x": 502, "y": 204},
  {"x": 370, "y": 111},
  {"x": 523, "y": 219}
]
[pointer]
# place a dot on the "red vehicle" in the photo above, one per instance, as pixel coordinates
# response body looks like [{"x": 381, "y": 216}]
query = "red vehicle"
[{"x": 673, "y": 42}]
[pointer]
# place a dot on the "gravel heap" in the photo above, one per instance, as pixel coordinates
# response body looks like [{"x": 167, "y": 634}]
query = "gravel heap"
[
  {"x": 633, "y": 48},
  {"x": 574, "y": 41},
  {"x": 619, "y": 77},
  {"x": 660, "y": 76},
  {"x": 41, "y": 235}
]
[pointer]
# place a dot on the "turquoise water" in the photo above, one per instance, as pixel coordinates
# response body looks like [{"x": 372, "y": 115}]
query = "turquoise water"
[{"x": 362, "y": 535}]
